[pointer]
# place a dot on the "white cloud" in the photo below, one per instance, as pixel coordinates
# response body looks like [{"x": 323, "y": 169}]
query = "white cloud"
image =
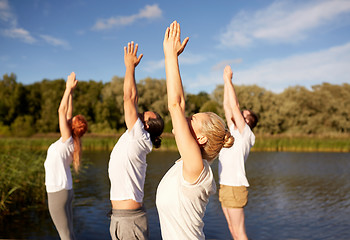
[
  {"x": 184, "y": 59},
  {"x": 190, "y": 58},
  {"x": 14, "y": 31},
  {"x": 6, "y": 14},
  {"x": 55, "y": 41},
  {"x": 221, "y": 65},
  {"x": 329, "y": 65},
  {"x": 282, "y": 21},
  {"x": 152, "y": 66},
  {"x": 148, "y": 12},
  {"x": 19, "y": 33},
  {"x": 10, "y": 20}
]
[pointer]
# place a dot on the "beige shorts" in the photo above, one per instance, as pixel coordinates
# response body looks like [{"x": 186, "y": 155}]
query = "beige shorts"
[{"x": 233, "y": 197}]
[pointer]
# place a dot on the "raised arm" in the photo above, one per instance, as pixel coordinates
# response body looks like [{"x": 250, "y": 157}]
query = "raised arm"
[
  {"x": 187, "y": 145},
  {"x": 231, "y": 105},
  {"x": 70, "y": 106},
  {"x": 130, "y": 91},
  {"x": 66, "y": 107}
]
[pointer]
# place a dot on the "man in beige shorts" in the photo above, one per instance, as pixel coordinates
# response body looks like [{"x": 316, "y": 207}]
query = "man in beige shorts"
[{"x": 233, "y": 193}]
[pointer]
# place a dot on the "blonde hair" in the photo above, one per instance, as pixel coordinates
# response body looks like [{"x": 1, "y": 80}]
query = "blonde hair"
[
  {"x": 217, "y": 136},
  {"x": 79, "y": 127}
]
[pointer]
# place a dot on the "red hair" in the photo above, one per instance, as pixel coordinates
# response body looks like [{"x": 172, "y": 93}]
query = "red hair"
[{"x": 79, "y": 128}]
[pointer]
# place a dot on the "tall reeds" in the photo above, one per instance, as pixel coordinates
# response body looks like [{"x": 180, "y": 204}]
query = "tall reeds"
[{"x": 22, "y": 179}]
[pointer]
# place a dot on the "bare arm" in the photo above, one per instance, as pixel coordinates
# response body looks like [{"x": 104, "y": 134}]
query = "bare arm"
[
  {"x": 130, "y": 91},
  {"x": 231, "y": 104},
  {"x": 187, "y": 145},
  {"x": 66, "y": 107},
  {"x": 70, "y": 106}
]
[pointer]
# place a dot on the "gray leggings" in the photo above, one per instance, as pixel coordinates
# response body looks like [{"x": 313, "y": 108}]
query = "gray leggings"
[
  {"x": 129, "y": 224},
  {"x": 60, "y": 207}
]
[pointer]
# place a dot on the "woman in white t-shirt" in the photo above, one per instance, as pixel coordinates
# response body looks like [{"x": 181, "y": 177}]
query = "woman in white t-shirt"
[
  {"x": 127, "y": 164},
  {"x": 184, "y": 191},
  {"x": 60, "y": 155},
  {"x": 233, "y": 192}
]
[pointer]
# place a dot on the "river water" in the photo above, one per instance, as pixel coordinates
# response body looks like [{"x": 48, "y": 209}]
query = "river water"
[{"x": 292, "y": 196}]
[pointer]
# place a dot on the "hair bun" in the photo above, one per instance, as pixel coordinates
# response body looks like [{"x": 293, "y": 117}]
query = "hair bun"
[
  {"x": 79, "y": 125},
  {"x": 228, "y": 140},
  {"x": 157, "y": 142}
]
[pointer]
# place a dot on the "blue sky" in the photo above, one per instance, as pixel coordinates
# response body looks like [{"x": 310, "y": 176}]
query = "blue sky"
[{"x": 273, "y": 44}]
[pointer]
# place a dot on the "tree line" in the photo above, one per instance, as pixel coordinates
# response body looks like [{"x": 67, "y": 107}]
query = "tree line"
[{"x": 29, "y": 109}]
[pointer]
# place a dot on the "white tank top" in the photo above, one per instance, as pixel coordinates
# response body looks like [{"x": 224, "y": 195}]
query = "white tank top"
[
  {"x": 57, "y": 165},
  {"x": 127, "y": 164},
  {"x": 181, "y": 205}
]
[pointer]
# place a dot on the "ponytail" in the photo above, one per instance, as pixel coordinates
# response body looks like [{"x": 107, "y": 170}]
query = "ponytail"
[
  {"x": 79, "y": 127},
  {"x": 155, "y": 129},
  {"x": 228, "y": 140}
]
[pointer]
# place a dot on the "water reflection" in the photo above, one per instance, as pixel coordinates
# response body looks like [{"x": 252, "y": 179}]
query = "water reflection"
[{"x": 292, "y": 196}]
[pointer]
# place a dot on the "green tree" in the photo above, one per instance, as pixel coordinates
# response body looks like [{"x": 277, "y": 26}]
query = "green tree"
[
  {"x": 12, "y": 103},
  {"x": 210, "y": 106},
  {"x": 23, "y": 126},
  {"x": 87, "y": 97},
  {"x": 194, "y": 102},
  {"x": 109, "y": 111},
  {"x": 51, "y": 95}
]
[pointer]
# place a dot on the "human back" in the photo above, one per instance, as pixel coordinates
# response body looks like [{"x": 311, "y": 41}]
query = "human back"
[
  {"x": 127, "y": 165},
  {"x": 60, "y": 155},
  {"x": 184, "y": 191}
]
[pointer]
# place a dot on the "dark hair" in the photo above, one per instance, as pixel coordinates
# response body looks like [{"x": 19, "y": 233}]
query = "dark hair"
[
  {"x": 253, "y": 119},
  {"x": 155, "y": 129}
]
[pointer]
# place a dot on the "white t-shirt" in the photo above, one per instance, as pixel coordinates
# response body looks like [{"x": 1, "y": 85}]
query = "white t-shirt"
[
  {"x": 231, "y": 160},
  {"x": 127, "y": 164},
  {"x": 57, "y": 165},
  {"x": 181, "y": 205}
]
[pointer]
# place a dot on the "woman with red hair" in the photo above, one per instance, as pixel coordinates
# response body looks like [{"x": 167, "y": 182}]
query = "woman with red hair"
[{"x": 60, "y": 155}]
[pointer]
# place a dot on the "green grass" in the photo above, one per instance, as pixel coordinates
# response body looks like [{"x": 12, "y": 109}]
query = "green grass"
[
  {"x": 22, "y": 174},
  {"x": 302, "y": 144},
  {"x": 22, "y": 178},
  {"x": 262, "y": 143}
]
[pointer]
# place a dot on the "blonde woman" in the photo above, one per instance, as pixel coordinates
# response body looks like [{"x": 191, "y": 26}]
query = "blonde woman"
[
  {"x": 184, "y": 191},
  {"x": 60, "y": 155}
]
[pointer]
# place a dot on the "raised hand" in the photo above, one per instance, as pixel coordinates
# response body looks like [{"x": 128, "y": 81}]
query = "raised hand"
[
  {"x": 130, "y": 55},
  {"x": 71, "y": 81},
  {"x": 228, "y": 73},
  {"x": 172, "y": 42}
]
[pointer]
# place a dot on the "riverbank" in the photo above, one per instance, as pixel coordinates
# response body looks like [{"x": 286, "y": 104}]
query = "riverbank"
[
  {"x": 267, "y": 143},
  {"x": 22, "y": 173}
]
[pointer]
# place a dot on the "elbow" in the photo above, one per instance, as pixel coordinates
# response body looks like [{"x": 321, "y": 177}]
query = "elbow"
[
  {"x": 130, "y": 96},
  {"x": 62, "y": 110},
  {"x": 177, "y": 104},
  {"x": 227, "y": 106}
]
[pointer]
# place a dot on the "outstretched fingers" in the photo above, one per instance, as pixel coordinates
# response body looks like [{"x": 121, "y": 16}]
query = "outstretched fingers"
[
  {"x": 183, "y": 45},
  {"x": 139, "y": 58},
  {"x": 71, "y": 81},
  {"x": 173, "y": 29},
  {"x": 166, "y": 35},
  {"x": 135, "y": 49},
  {"x": 178, "y": 31},
  {"x": 130, "y": 54}
]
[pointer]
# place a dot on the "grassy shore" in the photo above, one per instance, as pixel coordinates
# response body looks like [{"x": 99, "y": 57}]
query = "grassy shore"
[
  {"x": 22, "y": 180},
  {"x": 97, "y": 142},
  {"x": 22, "y": 171},
  {"x": 302, "y": 143}
]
